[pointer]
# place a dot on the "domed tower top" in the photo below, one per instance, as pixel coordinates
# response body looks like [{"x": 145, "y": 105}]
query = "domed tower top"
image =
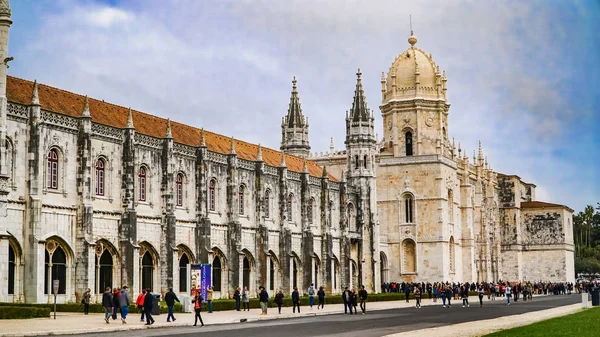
[{"x": 413, "y": 74}]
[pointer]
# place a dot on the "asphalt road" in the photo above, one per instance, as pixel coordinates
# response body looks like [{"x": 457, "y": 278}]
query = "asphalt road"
[{"x": 373, "y": 324}]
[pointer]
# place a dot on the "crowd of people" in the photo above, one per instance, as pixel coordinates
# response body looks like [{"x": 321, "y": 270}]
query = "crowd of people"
[{"x": 117, "y": 300}]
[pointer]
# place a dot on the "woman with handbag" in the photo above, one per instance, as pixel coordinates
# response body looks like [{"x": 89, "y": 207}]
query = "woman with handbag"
[{"x": 197, "y": 308}]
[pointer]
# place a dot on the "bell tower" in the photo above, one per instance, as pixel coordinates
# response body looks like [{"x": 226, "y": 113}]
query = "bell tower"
[
  {"x": 294, "y": 128},
  {"x": 414, "y": 105}
]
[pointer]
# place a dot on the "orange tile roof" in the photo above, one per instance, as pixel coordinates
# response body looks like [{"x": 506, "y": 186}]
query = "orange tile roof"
[
  {"x": 67, "y": 103},
  {"x": 541, "y": 204}
]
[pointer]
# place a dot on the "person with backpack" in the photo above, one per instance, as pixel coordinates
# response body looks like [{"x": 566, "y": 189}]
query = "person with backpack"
[
  {"x": 197, "y": 301},
  {"x": 362, "y": 294},
  {"x": 321, "y": 296},
  {"x": 311, "y": 295},
  {"x": 295, "y": 300},
  {"x": 279, "y": 300},
  {"x": 139, "y": 302}
]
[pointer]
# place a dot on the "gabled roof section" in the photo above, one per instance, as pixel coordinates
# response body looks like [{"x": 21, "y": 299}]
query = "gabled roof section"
[
  {"x": 543, "y": 205},
  {"x": 360, "y": 110},
  {"x": 294, "y": 118},
  {"x": 67, "y": 103}
]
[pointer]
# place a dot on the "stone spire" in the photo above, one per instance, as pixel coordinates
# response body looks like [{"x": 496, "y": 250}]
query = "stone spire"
[
  {"x": 331, "y": 146},
  {"x": 360, "y": 110},
  {"x": 130, "y": 120},
  {"x": 168, "y": 133},
  {"x": 232, "y": 146},
  {"x": 259, "y": 156},
  {"x": 294, "y": 118},
  {"x": 202, "y": 140},
  {"x": 86, "y": 108},
  {"x": 480, "y": 154},
  {"x": 294, "y": 127},
  {"x": 35, "y": 97},
  {"x": 324, "y": 175},
  {"x": 283, "y": 164}
]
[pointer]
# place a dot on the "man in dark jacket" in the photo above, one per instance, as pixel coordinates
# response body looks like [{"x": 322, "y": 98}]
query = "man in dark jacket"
[
  {"x": 346, "y": 300},
  {"x": 107, "y": 304},
  {"x": 148, "y": 303},
  {"x": 170, "y": 299},
  {"x": 296, "y": 300},
  {"x": 263, "y": 298},
  {"x": 362, "y": 295}
]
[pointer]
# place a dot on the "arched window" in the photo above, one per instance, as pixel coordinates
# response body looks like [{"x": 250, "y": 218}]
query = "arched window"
[
  {"x": 410, "y": 256},
  {"x": 383, "y": 267},
  {"x": 451, "y": 253},
  {"x": 309, "y": 211},
  {"x": 104, "y": 269},
  {"x": 409, "y": 143},
  {"x": 289, "y": 206},
  {"x": 211, "y": 194},
  {"x": 100, "y": 177},
  {"x": 11, "y": 269},
  {"x": 216, "y": 265},
  {"x": 350, "y": 217},
  {"x": 294, "y": 273},
  {"x": 142, "y": 184},
  {"x": 147, "y": 271},
  {"x": 184, "y": 260},
  {"x": 272, "y": 273},
  {"x": 246, "y": 273},
  {"x": 52, "y": 174},
  {"x": 408, "y": 208},
  {"x": 56, "y": 265},
  {"x": 267, "y": 203},
  {"x": 241, "y": 199},
  {"x": 179, "y": 189}
]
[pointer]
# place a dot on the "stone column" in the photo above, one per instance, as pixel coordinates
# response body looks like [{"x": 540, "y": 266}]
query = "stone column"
[
  {"x": 326, "y": 237},
  {"x": 128, "y": 248},
  {"x": 262, "y": 233},
  {"x": 234, "y": 228},
  {"x": 169, "y": 222},
  {"x": 5, "y": 23},
  {"x": 345, "y": 272},
  {"x": 285, "y": 234},
  {"x": 307, "y": 234},
  {"x": 4, "y": 268},
  {"x": 202, "y": 230}
]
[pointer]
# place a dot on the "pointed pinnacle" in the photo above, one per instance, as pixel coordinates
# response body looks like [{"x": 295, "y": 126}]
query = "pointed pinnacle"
[
  {"x": 168, "y": 133},
  {"x": 232, "y": 146},
  {"x": 130, "y": 120},
  {"x": 358, "y": 74},
  {"x": 325, "y": 175},
  {"x": 202, "y": 140},
  {"x": 35, "y": 98},
  {"x": 86, "y": 108},
  {"x": 343, "y": 176},
  {"x": 259, "y": 153},
  {"x": 282, "y": 164},
  {"x": 304, "y": 167},
  {"x": 294, "y": 88}
]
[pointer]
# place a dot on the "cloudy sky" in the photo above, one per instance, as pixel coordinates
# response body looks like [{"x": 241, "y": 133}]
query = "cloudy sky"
[{"x": 523, "y": 77}]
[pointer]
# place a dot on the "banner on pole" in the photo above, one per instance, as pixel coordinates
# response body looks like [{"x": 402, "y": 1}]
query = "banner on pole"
[{"x": 205, "y": 280}]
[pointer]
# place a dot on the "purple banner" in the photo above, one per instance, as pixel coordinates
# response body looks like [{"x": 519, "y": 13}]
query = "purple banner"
[{"x": 205, "y": 279}]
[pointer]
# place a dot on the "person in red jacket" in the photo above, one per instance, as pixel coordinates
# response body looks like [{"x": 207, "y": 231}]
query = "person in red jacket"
[{"x": 139, "y": 302}]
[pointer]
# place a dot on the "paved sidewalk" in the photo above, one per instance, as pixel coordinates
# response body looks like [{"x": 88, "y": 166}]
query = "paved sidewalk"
[
  {"x": 78, "y": 323},
  {"x": 484, "y": 327}
]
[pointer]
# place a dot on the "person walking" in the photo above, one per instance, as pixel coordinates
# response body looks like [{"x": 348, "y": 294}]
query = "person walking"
[
  {"x": 443, "y": 294},
  {"x": 353, "y": 300},
  {"x": 321, "y": 296},
  {"x": 407, "y": 292},
  {"x": 279, "y": 300},
  {"x": 148, "y": 303},
  {"x": 345, "y": 300},
  {"x": 86, "y": 301},
  {"x": 197, "y": 308},
  {"x": 209, "y": 298},
  {"x": 237, "y": 297},
  {"x": 124, "y": 304},
  {"x": 480, "y": 291},
  {"x": 507, "y": 291},
  {"x": 418, "y": 297},
  {"x": 295, "y": 300},
  {"x": 362, "y": 294},
  {"x": 116, "y": 304},
  {"x": 245, "y": 299},
  {"x": 107, "y": 304},
  {"x": 449, "y": 295},
  {"x": 139, "y": 302},
  {"x": 263, "y": 297},
  {"x": 435, "y": 293},
  {"x": 311, "y": 295},
  {"x": 170, "y": 299},
  {"x": 464, "y": 292}
]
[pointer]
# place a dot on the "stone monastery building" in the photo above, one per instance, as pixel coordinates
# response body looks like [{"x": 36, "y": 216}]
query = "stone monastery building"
[{"x": 94, "y": 195}]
